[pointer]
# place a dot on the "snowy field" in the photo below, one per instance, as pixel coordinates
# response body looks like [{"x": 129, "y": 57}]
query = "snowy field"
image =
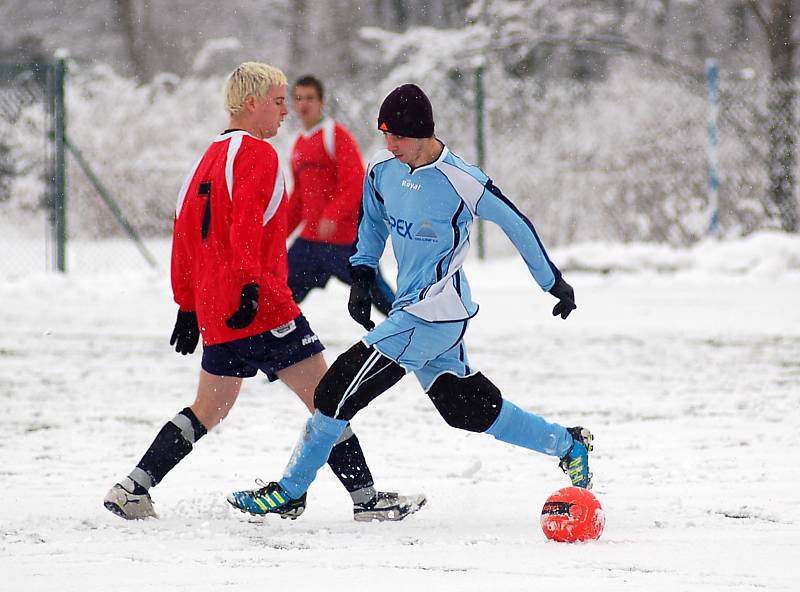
[{"x": 685, "y": 365}]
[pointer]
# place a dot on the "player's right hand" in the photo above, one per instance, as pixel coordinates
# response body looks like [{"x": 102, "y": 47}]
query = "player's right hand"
[
  {"x": 186, "y": 333},
  {"x": 326, "y": 228},
  {"x": 360, "y": 304}
]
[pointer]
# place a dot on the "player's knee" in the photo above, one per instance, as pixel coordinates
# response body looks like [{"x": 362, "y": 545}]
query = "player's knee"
[
  {"x": 331, "y": 389},
  {"x": 470, "y": 404},
  {"x": 326, "y": 397}
]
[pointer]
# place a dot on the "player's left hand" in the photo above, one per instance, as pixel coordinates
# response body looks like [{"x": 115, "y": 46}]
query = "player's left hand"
[
  {"x": 326, "y": 228},
  {"x": 248, "y": 307},
  {"x": 566, "y": 298}
]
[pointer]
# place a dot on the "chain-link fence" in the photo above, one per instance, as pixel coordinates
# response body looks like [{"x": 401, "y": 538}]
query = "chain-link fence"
[
  {"x": 619, "y": 160},
  {"x": 622, "y": 159},
  {"x": 68, "y": 218},
  {"x": 26, "y": 197}
]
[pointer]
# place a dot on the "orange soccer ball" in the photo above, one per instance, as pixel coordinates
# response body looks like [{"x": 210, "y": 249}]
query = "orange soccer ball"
[{"x": 572, "y": 514}]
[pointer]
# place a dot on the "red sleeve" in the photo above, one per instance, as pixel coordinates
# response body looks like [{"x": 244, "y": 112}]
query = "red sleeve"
[
  {"x": 254, "y": 172},
  {"x": 181, "y": 271},
  {"x": 349, "y": 177}
]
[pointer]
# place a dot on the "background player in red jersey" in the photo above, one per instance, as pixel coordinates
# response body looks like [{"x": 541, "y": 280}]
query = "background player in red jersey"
[
  {"x": 229, "y": 279},
  {"x": 328, "y": 177}
]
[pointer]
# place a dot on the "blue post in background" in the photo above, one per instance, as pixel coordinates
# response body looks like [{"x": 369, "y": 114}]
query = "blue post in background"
[{"x": 713, "y": 139}]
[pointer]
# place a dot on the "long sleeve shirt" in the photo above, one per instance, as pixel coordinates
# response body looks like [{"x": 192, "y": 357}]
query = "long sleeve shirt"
[
  {"x": 230, "y": 230},
  {"x": 429, "y": 212},
  {"x": 328, "y": 174}
]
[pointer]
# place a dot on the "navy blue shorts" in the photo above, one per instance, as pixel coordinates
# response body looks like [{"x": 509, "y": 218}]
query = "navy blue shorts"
[
  {"x": 312, "y": 264},
  {"x": 269, "y": 352}
]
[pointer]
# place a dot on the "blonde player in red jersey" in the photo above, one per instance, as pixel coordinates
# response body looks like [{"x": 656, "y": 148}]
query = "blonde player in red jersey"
[{"x": 229, "y": 279}]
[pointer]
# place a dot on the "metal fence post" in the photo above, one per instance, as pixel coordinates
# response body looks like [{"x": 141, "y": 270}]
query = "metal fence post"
[
  {"x": 57, "y": 72},
  {"x": 713, "y": 140},
  {"x": 480, "y": 148}
]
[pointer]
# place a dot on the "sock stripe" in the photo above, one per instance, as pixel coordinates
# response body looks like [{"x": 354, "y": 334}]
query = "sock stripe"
[
  {"x": 184, "y": 424},
  {"x": 363, "y": 495},
  {"x": 141, "y": 477},
  {"x": 346, "y": 435}
]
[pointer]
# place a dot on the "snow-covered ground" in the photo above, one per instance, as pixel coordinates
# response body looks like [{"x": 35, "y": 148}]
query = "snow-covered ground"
[{"x": 685, "y": 365}]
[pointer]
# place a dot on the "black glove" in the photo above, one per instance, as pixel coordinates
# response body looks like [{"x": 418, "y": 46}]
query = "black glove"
[
  {"x": 360, "y": 303},
  {"x": 248, "y": 307},
  {"x": 566, "y": 298},
  {"x": 186, "y": 332}
]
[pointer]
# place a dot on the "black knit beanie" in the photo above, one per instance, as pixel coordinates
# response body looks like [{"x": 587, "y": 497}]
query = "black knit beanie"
[{"x": 406, "y": 112}]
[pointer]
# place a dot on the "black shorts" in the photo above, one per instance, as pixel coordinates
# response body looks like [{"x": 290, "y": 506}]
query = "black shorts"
[{"x": 269, "y": 352}]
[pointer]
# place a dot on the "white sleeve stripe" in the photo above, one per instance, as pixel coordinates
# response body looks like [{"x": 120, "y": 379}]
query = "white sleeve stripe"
[
  {"x": 275, "y": 200},
  {"x": 233, "y": 148},
  {"x": 185, "y": 187},
  {"x": 467, "y": 186},
  {"x": 329, "y": 137},
  {"x": 380, "y": 156}
]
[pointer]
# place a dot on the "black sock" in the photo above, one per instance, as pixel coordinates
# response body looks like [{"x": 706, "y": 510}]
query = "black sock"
[
  {"x": 171, "y": 445},
  {"x": 350, "y": 467}
]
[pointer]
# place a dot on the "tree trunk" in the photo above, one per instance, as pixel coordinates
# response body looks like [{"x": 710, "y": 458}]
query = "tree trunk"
[
  {"x": 345, "y": 30},
  {"x": 298, "y": 36},
  {"x": 400, "y": 14},
  {"x": 782, "y": 131},
  {"x": 126, "y": 15}
]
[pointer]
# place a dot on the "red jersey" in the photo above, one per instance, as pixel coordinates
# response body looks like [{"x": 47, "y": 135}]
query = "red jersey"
[
  {"x": 328, "y": 182},
  {"x": 230, "y": 230}
]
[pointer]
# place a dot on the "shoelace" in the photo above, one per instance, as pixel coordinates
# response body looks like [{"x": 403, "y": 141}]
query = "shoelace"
[
  {"x": 388, "y": 496},
  {"x": 262, "y": 487}
]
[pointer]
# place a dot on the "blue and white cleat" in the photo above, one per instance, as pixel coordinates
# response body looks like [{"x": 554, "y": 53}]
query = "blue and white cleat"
[
  {"x": 267, "y": 499},
  {"x": 575, "y": 463}
]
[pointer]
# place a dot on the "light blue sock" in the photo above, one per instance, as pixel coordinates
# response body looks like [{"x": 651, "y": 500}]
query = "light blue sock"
[
  {"x": 310, "y": 453},
  {"x": 522, "y": 428}
]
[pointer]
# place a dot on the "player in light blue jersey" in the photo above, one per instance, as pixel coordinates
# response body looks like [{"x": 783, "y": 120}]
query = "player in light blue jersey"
[{"x": 426, "y": 198}]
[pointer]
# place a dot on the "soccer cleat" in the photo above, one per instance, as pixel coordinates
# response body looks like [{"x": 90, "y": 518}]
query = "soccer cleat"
[
  {"x": 388, "y": 506},
  {"x": 267, "y": 499},
  {"x": 128, "y": 505},
  {"x": 575, "y": 463}
]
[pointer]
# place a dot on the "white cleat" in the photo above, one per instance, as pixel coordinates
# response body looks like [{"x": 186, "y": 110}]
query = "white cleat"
[
  {"x": 388, "y": 506},
  {"x": 128, "y": 505}
]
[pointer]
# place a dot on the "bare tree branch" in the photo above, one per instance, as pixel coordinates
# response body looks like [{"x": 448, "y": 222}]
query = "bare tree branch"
[
  {"x": 761, "y": 17},
  {"x": 604, "y": 43}
]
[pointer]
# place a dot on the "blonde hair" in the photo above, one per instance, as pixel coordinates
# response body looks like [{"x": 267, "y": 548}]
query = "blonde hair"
[{"x": 250, "y": 78}]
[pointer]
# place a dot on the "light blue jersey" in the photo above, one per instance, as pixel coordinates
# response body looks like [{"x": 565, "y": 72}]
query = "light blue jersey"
[{"x": 429, "y": 212}]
